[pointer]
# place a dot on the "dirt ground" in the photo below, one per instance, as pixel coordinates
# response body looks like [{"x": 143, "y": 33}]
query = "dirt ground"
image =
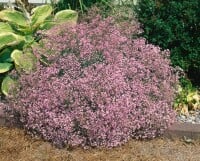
[{"x": 15, "y": 145}]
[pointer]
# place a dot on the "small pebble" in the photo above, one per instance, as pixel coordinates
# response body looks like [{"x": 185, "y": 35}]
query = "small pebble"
[{"x": 193, "y": 117}]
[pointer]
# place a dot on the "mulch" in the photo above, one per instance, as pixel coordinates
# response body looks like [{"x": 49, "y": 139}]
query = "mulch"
[{"x": 15, "y": 145}]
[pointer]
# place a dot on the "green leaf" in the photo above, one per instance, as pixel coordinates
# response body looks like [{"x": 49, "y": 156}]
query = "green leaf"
[
  {"x": 25, "y": 62},
  {"x": 47, "y": 25},
  {"x": 5, "y": 55},
  {"x": 8, "y": 85},
  {"x": 4, "y": 67},
  {"x": 192, "y": 96},
  {"x": 25, "y": 30},
  {"x": 29, "y": 39},
  {"x": 16, "y": 55},
  {"x": 9, "y": 39},
  {"x": 66, "y": 15},
  {"x": 40, "y": 14},
  {"x": 14, "y": 16},
  {"x": 5, "y": 27}
]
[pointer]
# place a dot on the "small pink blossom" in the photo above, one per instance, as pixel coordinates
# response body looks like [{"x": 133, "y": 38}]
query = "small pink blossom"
[{"x": 101, "y": 89}]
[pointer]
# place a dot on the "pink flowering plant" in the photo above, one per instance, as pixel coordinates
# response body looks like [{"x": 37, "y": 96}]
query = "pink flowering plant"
[{"x": 100, "y": 87}]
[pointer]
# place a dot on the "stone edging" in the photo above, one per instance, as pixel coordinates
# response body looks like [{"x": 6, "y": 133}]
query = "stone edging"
[{"x": 181, "y": 130}]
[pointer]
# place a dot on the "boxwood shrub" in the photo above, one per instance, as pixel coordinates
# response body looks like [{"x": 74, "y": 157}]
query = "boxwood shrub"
[{"x": 174, "y": 25}]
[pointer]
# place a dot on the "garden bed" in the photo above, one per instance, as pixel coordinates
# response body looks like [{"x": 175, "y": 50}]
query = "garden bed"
[
  {"x": 89, "y": 91},
  {"x": 16, "y": 146}
]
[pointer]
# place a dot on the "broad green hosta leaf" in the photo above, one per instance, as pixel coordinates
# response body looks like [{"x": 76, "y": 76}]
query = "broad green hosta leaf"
[
  {"x": 29, "y": 39},
  {"x": 9, "y": 39},
  {"x": 47, "y": 25},
  {"x": 4, "y": 67},
  {"x": 4, "y": 27},
  {"x": 39, "y": 14},
  {"x": 14, "y": 16},
  {"x": 27, "y": 30},
  {"x": 66, "y": 15},
  {"x": 8, "y": 85},
  {"x": 5, "y": 55},
  {"x": 25, "y": 62}
]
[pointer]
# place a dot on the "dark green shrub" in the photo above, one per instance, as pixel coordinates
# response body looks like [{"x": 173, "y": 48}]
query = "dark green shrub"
[
  {"x": 174, "y": 24},
  {"x": 82, "y": 5},
  {"x": 1, "y": 7}
]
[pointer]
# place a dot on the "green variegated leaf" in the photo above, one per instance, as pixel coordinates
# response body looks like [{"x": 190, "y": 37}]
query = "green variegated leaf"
[
  {"x": 192, "y": 96},
  {"x": 40, "y": 14},
  {"x": 4, "y": 67},
  {"x": 14, "y": 16},
  {"x": 16, "y": 56},
  {"x": 25, "y": 30},
  {"x": 47, "y": 25},
  {"x": 8, "y": 85},
  {"x": 29, "y": 39},
  {"x": 5, "y": 27},
  {"x": 5, "y": 55},
  {"x": 24, "y": 62},
  {"x": 9, "y": 39},
  {"x": 66, "y": 15}
]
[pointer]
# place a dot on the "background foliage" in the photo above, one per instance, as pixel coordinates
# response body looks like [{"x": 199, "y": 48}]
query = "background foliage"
[
  {"x": 82, "y": 5},
  {"x": 174, "y": 25}
]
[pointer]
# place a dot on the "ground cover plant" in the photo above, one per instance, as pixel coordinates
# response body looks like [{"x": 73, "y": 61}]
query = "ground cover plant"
[
  {"x": 174, "y": 25},
  {"x": 96, "y": 87},
  {"x": 122, "y": 14}
]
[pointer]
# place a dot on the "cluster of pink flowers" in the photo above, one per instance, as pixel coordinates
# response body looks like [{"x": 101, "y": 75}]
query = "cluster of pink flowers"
[{"x": 101, "y": 87}]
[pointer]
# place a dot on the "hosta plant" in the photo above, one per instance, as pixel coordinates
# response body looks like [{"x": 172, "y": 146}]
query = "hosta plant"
[
  {"x": 18, "y": 35},
  {"x": 188, "y": 98},
  {"x": 101, "y": 88}
]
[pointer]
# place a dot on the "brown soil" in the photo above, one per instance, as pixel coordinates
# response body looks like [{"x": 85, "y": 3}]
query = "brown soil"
[{"x": 15, "y": 145}]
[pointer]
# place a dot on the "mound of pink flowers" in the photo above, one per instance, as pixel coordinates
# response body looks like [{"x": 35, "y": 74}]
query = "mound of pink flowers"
[{"x": 101, "y": 88}]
